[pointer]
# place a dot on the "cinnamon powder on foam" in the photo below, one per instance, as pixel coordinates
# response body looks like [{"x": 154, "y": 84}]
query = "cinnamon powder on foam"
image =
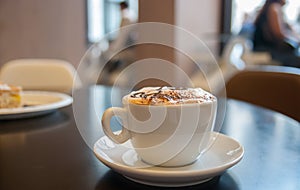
[{"x": 169, "y": 96}]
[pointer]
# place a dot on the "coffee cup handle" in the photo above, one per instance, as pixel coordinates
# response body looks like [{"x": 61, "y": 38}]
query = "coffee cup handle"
[{"x": 107, "y": 115}]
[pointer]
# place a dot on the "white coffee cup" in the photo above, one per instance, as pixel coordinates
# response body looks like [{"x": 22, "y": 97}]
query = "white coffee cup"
[{"x": 164, "y": 135}]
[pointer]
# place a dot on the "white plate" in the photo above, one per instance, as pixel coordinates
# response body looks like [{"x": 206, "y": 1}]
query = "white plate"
[
  {"x": 223, "y": 154},
  {"x": 37, "y": 103}
]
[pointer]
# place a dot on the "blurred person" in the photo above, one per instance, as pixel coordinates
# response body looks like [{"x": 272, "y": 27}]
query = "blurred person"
[
  {"x": 121, "y": 51},
  {"x": 124, "y": 39},
  {"x": 127, "y": 16},
  {"x": 273, "y": 34},
  {"x": 248, "y": 27}
]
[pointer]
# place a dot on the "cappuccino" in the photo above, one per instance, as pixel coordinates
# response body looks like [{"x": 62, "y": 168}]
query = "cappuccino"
[{"x": 174, "y": 122}]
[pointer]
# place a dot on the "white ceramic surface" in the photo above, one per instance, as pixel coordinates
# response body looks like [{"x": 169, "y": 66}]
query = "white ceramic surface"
[
  {"x": 223, "y": 154},
  {"x": 37, "y": 103}
]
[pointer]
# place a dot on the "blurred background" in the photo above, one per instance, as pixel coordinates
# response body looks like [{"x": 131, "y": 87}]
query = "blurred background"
[{"x": 65, "y": 29}]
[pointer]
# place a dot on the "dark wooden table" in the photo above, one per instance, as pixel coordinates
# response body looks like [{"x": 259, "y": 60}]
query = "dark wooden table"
[{"x": 53, "y": 151}]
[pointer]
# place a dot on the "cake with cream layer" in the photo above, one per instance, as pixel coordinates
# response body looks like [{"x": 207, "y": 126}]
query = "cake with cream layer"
[{"x": 10, "y": 96}]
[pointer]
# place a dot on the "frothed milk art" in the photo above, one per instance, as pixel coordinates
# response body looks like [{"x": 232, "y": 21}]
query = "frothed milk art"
[
  {"x": 169, "y": 95},
  {"x": 175, "y": 123}
]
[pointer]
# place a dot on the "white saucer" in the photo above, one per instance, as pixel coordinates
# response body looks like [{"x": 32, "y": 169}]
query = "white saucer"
[
  {"x": 37, "y": 103},
  {"x": 223, "y": 154}
]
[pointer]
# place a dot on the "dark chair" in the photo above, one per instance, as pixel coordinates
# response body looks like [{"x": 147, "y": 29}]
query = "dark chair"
[{"x": 273, "y": 87}]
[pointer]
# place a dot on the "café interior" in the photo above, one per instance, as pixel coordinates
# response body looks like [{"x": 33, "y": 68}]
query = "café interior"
[{"x": 72, "y": 46}]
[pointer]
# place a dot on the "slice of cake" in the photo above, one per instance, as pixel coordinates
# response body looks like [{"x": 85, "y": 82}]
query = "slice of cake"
[{"x": 10, "y": 96}]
